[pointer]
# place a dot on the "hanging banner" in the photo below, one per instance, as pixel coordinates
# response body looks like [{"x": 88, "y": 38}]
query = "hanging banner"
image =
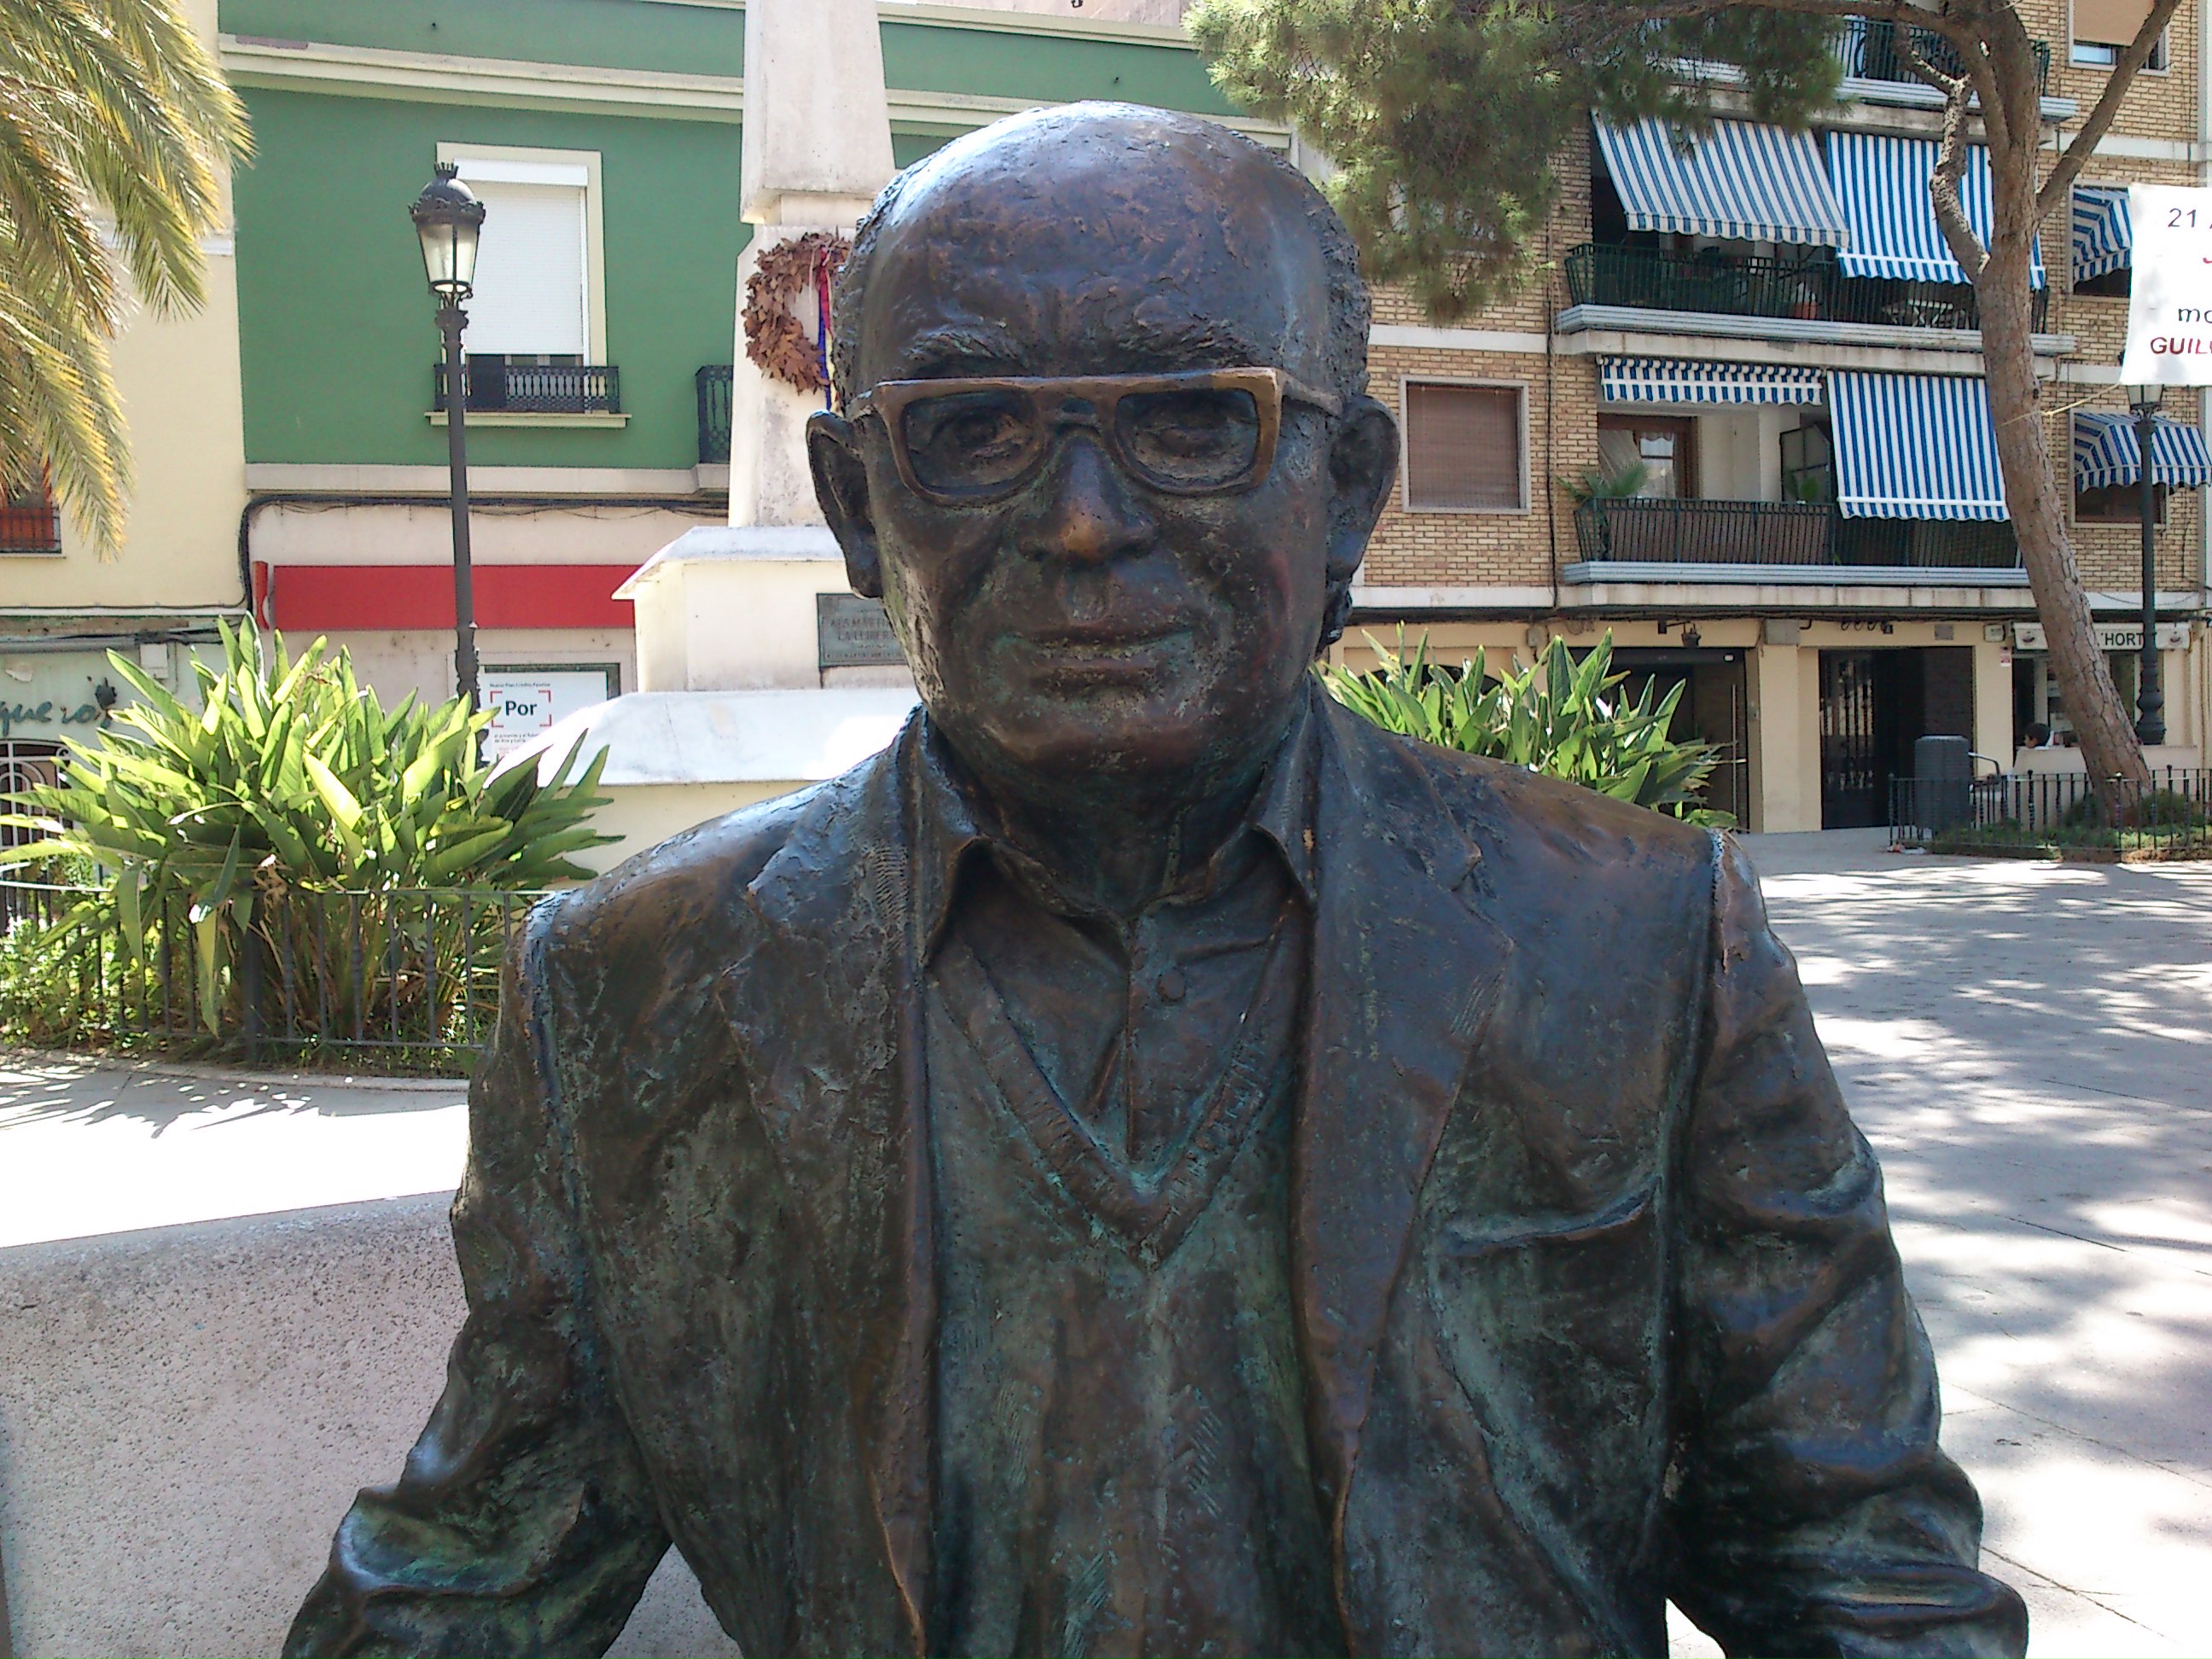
[{"x": 2170, "y": 307}]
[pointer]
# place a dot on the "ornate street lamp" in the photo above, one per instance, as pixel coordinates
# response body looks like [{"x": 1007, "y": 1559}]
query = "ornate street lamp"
[
  {"x": 2150, "y": 699},
  {"x": 447, "y": 217}
]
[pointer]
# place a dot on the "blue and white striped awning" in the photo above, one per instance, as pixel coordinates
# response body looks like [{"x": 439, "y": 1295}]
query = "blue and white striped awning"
[
  {"x": 2106, "y": 453},
  {"x": 1674, "y": 380},
  {"x": 1757, "y": 184},
  {"x": 2103, "y": 239},
  {"x": 1883, "y": 183},
  {"x": 1914, "y": 447}
]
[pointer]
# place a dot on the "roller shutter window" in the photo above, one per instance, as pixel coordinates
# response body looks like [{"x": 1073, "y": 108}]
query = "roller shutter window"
[
  {"x": 531, "y": 297},
  {"x": 2102, "y": 29},
  {"x": 1464, "y": 449}
]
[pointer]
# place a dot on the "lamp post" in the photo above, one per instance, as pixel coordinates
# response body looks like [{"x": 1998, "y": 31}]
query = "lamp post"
[
  {"x": 447, "y": 218},
  {"x": 2150, "y": 699}
]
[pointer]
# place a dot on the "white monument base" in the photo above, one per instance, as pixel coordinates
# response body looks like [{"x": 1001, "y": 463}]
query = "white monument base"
[{"x": 679, "y": 758}]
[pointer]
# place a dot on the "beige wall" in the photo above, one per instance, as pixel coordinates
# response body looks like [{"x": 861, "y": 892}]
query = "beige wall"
[{"x": 179, "y": 381}]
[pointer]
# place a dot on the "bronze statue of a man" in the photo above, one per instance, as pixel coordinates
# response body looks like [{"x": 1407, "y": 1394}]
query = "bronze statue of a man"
[{"x": 1150, "y": 1163}]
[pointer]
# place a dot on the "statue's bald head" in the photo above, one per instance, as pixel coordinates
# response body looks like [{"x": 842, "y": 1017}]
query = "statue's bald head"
[
  {"x": 1126, "y": 214},
  {"x": 1161, "y": 294}
]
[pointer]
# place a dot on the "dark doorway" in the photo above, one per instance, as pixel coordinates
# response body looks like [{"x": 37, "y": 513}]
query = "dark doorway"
[
  {"x": 1874, "y": 705},
  {"x": 1713, "y": 708}
]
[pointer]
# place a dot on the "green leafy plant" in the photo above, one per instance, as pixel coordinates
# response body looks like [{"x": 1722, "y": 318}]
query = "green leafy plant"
[
  {"x": 1563, "y": 718},
  {"x": 293, "y": 817},
  {"x": 1595, "y": 484}
]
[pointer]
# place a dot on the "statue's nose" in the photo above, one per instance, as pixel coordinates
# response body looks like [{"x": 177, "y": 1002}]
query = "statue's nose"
[{"x": 1089, "y": 514}]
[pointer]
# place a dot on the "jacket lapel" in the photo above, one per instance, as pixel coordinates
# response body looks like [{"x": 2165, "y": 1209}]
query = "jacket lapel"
[
  {"x": 1406, "y": 968},
  {"x": 832, "y": 1018}
]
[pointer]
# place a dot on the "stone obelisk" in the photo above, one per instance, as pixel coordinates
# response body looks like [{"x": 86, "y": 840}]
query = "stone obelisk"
[
  {"x": 817, "y": 147},
  {"x": 749, "y": 683}
]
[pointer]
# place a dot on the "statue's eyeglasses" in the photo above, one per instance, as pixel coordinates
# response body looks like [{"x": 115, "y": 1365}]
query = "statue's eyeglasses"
[{"x": 967, "y": 442}]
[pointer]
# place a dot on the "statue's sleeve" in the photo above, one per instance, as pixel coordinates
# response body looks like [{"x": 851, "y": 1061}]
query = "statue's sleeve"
[
  {"x": 1813, "y": 1512},
  {"x": 523, "y": 1522}
]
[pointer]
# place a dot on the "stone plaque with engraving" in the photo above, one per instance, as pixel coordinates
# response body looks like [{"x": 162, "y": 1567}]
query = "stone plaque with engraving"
[{"x": 851, "y": 632}]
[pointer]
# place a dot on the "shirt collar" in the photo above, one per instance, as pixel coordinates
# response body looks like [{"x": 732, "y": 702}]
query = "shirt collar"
[{"x": 953, "y": 818}]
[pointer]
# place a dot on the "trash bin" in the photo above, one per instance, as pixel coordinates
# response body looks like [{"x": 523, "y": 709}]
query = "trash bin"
[{"x": 1942, "y": 784}]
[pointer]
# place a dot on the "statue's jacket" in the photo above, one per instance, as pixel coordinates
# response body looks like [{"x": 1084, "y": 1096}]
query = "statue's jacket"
[{"x": 1595, "y": 1291}]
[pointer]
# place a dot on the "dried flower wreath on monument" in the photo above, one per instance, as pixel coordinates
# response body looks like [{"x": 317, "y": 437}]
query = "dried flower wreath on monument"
[{"x": 775, "y": 338}]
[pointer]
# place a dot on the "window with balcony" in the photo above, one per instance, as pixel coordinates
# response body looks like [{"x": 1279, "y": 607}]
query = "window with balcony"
[
  {"x": 1808, "y": 465},
  {"x": 2102, "y": 29},
  {"x": 1466, "y": 448},
  {"x": 1659, "y": 452},
  {"x": 537, "y": 333}
]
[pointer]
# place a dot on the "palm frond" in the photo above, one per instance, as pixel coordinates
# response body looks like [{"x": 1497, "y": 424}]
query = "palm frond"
[{"x": 117, "y": 136}]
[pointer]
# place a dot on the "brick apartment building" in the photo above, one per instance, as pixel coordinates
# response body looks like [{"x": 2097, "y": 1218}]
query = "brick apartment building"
[{"x": 1771, "y": 329}]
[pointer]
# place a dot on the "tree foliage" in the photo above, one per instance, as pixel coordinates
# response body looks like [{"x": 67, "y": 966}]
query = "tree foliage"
[
  {"x": 1444, "y": 118},
  {"x": 116, "y": 128},
  {"x": 1562, "y": 718}
]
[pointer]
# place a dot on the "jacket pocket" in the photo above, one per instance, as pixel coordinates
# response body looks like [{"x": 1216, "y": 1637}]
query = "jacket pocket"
[
  {"x": 1571, "y": 1310},
  {"x": 1465, "y": 1239}
]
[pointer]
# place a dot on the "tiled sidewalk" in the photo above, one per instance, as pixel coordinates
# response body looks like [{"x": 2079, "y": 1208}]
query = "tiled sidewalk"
[{"x": 2029, "y": 1048}]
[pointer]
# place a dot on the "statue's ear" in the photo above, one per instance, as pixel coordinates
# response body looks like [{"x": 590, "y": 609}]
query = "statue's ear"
[
  {"x": 841, "y": 485},
  {"x": 1362, "y": 463}
]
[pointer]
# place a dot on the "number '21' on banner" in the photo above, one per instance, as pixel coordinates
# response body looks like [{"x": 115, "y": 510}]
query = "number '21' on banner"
[{"x": 2170, "y": 307}]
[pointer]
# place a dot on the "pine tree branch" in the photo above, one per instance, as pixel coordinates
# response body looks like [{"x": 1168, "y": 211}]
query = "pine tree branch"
[
  {"x": 2091, "y": 133},
  {"x": 1943, "y": 187}
]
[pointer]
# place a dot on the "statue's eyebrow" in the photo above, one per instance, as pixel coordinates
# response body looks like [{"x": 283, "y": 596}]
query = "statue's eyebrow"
[
  {"x": 959, "y": 349},
  {"x": 1194, "y": 343},
  {"x": 949, "y": 350}
]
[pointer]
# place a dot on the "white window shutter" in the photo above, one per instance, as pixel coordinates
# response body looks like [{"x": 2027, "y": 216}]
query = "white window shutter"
[{"x": 530, "y": 289}]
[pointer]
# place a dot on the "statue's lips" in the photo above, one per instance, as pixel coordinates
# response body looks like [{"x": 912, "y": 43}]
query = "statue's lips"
[{"x": 1101, "y": 652}]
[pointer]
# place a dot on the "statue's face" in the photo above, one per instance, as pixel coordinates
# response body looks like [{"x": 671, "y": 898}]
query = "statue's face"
[{"x": 1079, "y": 597}]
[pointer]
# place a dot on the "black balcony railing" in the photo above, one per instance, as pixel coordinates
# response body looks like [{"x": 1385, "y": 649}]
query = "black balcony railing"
[
  {"x": 1927, "y": 543},
  {"x": 1661, "y": 531},
  {"x": 713, "y": 384},
  {"x": 1810, "y": 288},
  {"x": 30, "y": 525},
  {"x": 1872, "y": 51},
  {"x": 495, "y": 384}
]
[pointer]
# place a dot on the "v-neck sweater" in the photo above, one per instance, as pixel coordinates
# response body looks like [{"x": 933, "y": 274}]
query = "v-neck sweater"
[{"x": 1123, "y": 1464}]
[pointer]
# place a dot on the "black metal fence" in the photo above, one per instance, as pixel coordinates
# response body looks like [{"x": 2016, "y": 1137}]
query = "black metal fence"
[
  {"x": 1672, "y": 531},
  {"x": 2056, "y": 814},
  {"x": 1811, "y": 288},
  {"x": 493, "y": 383},
  {"x": 410, "y": 976},
  {"x": 713, "y": 384}
]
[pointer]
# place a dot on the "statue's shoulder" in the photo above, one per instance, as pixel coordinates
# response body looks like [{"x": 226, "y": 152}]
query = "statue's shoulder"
[{"x": 677, "y": 905}]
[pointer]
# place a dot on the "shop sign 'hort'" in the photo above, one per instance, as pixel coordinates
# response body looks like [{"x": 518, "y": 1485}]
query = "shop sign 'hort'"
[{"x": 2170, "y": 313}]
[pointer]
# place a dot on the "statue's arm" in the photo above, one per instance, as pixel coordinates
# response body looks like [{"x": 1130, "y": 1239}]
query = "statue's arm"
[
  {"x": 1813, "y": 1513},
  {"x": 523, "y": 1523}
]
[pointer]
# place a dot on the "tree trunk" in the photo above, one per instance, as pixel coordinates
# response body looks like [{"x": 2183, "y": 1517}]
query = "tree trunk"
[{"x": 2085, "y": 681}]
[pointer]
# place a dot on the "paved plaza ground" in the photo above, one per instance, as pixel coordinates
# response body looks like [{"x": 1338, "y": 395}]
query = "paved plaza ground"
[{"x": 2027, "y": 1045}]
